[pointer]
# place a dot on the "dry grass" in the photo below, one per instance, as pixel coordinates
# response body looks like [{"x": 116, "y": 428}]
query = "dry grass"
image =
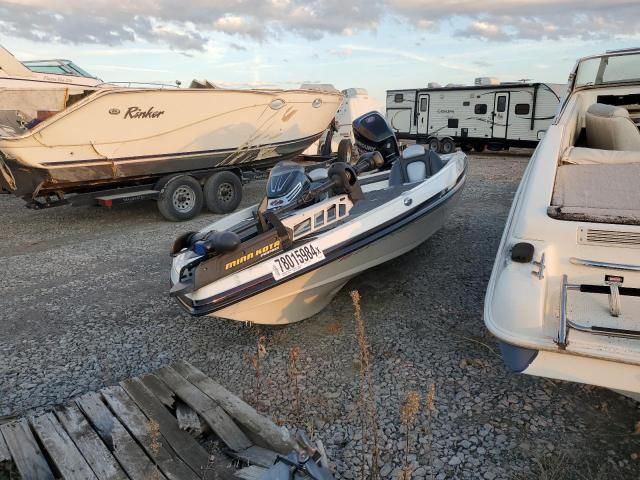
[
  {"x": 367, "y": 402},
  {"x": 255, "y": 361},
  {"x": 293, "y": 373},
  {"x": 408, "y": 415}
]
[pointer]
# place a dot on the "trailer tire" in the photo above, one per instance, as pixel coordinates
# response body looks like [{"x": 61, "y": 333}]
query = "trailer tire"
[
  {"x": 447, "y": 146},
  {"x": 222, "y": 192},
  {"x": 479, "y": 147},
  {"x": 466, "y": 148},
  {"x": 345, "y": 151},
  {"x": 181, "y": 198},
  {"x": 434, "y": 144}
]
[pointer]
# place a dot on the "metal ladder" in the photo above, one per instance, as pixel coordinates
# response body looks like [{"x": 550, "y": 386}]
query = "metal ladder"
[{"x": 611, "y": 287}]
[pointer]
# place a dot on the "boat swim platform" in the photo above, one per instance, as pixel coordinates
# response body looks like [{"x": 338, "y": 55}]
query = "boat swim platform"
[{"x": 145, "y": 428}]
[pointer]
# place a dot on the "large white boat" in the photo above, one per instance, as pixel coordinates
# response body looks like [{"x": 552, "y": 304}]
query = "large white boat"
[
  {"x": 564, "y": 295},
  {"x": 116, "y": 136},
  {"x": 33, "y": 90}
]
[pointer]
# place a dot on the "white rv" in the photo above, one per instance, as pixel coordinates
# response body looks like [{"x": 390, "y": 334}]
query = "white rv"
[{"x": 488, "y": 114}]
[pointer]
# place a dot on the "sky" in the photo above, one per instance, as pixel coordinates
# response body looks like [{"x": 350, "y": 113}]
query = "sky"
[{"x": 375, "y": 44}]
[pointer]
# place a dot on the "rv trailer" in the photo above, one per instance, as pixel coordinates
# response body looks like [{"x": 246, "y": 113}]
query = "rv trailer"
[{"x": 488, "y": 114}]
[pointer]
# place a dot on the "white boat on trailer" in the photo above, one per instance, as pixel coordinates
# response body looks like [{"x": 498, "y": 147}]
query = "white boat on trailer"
[
  {"x": 564, "y": 295},
  {"x": 119, "y": 137},
  {"x": 284, "y": 260}
]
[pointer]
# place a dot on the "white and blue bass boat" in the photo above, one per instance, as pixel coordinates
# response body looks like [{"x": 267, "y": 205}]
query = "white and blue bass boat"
[{"x": 284, "y": 260}]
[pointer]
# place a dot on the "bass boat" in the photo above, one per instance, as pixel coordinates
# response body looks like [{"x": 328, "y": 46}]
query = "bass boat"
[{"x": 284, "y": 260}]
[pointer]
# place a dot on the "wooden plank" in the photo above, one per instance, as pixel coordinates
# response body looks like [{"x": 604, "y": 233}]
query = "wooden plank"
[
  {"x": 259, "y": 456},
  {"x": 250, "y": 473},
  {"x": 221, "y": 423},
  {"x": 126, "y": 450},
  {"x": 159, "y": 389},
  {"x": 147, "y": 433},
  {"x": 95, "y": 452},
  {"x": 182, "y": 443},
  {"x": 188, "y": 418},
  {"x": 25, "y": 451},
  {"x": 61, "y": 450},
  {"x": 270, "y": 435},
  {"x": 5, "y": 456}
]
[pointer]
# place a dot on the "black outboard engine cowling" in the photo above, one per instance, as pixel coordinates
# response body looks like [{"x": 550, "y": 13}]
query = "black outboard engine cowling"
[
  {"x": 287, "y": 182},
  {"x": 372, "y": 133}
]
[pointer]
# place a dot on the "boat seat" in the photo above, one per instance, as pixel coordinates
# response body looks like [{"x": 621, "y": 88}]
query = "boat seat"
[
  {"x": 318, "y": 174},
  {"x": 611, "y": 128},
  {"x": 591, "y": 156},
  {"x": 415, "y": 164},
  {"x": 602, "y": 193}
]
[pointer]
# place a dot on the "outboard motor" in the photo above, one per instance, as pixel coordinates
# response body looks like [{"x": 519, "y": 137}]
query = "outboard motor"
[
  {"x": 287, "y": 182},
  {"x": 372, "y": 133}
]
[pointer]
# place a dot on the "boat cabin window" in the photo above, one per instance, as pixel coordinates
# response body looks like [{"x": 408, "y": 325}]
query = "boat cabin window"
[
  {"x": 319, "y": 220},
  {"x": 57, "y": 67},
  {"x": 480, "y": 108},
  {"x": 398, "y": 98},
  {"x": 522, "y": 109}
]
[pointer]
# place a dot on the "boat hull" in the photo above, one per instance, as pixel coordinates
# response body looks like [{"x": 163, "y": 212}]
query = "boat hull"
[
  {"x": 624, "y": 378},
  {"x": 117, "y": 135},
  {"x": 26, "y": 181},
  {"x": 307, "y": 294}
]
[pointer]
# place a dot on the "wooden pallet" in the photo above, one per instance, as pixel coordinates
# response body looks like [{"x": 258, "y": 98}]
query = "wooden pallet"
[{"x": 143, "y": 429}]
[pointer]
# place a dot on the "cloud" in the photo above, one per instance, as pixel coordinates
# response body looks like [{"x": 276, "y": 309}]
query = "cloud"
[{"x": 187, "y": 25}]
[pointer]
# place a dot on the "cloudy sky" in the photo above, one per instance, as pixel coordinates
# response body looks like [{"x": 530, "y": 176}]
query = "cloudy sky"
[{"x": 376, "y": 44}]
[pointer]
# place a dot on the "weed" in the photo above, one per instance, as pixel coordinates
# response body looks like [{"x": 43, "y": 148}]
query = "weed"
[
  {"x": 293, "y": 372},
  {"x": 408, "y": 414},
  {"x": 367, "y": 402}
]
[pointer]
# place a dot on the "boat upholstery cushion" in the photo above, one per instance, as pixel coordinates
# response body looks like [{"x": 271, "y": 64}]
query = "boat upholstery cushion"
[
  {"x": 610, "y": 128},
  {"x": 318, "y": 174},
  {"x": 415, "y": 164},
  {"x": 602, "y": 193},
  {"x": 590, "y": 156}
]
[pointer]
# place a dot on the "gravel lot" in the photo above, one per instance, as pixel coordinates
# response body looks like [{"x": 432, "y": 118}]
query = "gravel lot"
[{"x": 84, "y": 304}]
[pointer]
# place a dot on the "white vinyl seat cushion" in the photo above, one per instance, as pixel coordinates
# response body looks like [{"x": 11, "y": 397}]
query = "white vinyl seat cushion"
[
  {"x": 597, "y": 192},
  {"x": 611, "y": 128},
  {"x": 416, "y": 171},
  {"x": 596, "y": 156}
]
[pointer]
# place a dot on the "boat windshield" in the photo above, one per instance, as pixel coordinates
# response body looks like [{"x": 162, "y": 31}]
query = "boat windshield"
[
  {"x": 606, "y": 69},
  {"x": 59, "y": 67}
]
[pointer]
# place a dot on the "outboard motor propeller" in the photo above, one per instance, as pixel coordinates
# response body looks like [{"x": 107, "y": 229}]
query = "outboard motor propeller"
[{"x": 372, "y": 133}]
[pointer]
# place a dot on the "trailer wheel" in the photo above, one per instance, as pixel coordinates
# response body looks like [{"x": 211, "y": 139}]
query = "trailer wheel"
[
  {"x": 434, "y": 144},
  {"x": 345, "y": 151},
  {"x": 466, "y": 148},
  {"x": 479, "y": 147},
  {"x": 181, "y": 198},
  {"x": 447, "y": 146},
  {"x": 222, "y": 192}
]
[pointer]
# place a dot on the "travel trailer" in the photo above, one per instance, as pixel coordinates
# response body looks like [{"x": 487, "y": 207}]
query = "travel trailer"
[
  {"x": 564, "y": 296},
  {"x": 488, "y": 114}
]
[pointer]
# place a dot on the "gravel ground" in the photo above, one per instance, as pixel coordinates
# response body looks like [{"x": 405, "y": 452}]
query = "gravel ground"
[{"x": 84, "y": 304}]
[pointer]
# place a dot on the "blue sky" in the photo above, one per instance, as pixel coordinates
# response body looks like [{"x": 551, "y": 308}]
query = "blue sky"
[{"x": 377, "y": 45}]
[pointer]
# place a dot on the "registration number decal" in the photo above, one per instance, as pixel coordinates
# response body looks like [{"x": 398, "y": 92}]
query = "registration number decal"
[{"x": 296, "y": 259}]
